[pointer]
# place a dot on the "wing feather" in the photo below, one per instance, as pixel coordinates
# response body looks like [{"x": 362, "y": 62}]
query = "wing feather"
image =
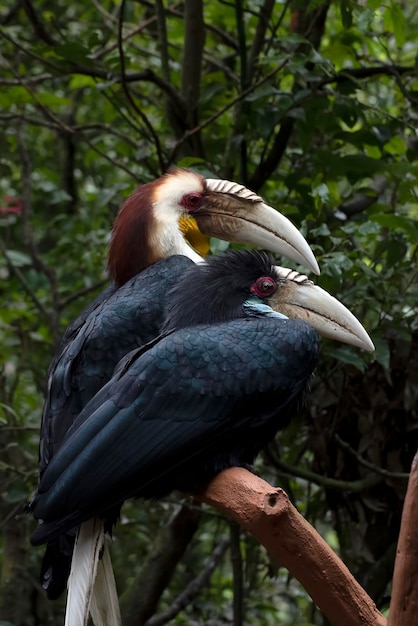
[{"x": 172, "y": 413}]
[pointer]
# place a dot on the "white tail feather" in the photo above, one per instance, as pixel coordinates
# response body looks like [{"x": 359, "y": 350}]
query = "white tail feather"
[
  {"x": 104, "y": 608},
  {"x": 87, "y": 549}
]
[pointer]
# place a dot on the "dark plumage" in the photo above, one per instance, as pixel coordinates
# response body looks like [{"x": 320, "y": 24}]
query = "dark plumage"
[
  {"x": 116, "y": 323},
  {"x": 207, "y": 395},
  {"x": 155, "y": 223},
  {"x": 126, "y": 319}
]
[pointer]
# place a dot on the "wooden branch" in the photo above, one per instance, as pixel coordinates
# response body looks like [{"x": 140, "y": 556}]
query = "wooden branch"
[
  {"x": 267, "y": 513},
  {"x": 39, "y": 29},
  {"x": 129, "y": 97},
  {"x": 266, "y": 11},
  {"x": 194, "y": 43},
  {"x": 361, "y": 73},
  {"x": 310, "y": 24},
  {"x": 404, "y": 603},
  {"x": 163, "y": 40}
]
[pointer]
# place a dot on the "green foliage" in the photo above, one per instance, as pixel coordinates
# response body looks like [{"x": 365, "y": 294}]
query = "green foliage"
[{"x": 95, "y": 99}]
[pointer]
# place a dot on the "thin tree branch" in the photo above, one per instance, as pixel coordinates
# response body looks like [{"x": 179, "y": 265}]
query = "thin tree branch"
[
  {"x": 277, "y": 25},
  {"x": 128, "y": 94},
  {"x": 194, "y": 43},
  {"x": 240, "y": 123},
  {"x": 370, "y": 466},
  {"x": 310, "y": 24},
  {"x": 8, "y": 17},
  {"x": 30, "y": 80},
  {"x": 193, "y": 589},
  {"x": 267, "y": 166},
  {"x": 16, "y": 272},
  {"x": 163, "y": 40},
  {"x": 361, "y": 73},
  {"x": 354, "y": 486},
  {"x": 28, "y": 235},
  {"x": 38, "y": 27},
  {"x": 266, "y": 11},
  {"x": 139, "y": 602},
  {"x": 228, "y": 106},
  {"x": 81, "y": 293},
  {"x": 237, "y": 574}
]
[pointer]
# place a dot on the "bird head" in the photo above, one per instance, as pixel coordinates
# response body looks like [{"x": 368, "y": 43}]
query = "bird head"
[
  {"x": 243, "y": 283},
  {"x": 179, "y": 212}
]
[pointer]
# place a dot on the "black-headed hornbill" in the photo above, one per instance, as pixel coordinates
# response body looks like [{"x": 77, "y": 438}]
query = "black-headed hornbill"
[
  {"x": 160, "y": 219},
  {"x": 227, "y": 373}
]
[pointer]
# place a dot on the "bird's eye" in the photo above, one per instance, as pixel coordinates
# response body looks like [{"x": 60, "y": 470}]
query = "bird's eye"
[
  {"x": 191, "y": 201},
  {"x": 264, "y": 287}
]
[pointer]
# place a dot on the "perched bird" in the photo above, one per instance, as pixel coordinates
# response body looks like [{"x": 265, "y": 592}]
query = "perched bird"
[
  {"x": 227, "y": 372},
  {"x": 156, "y": 222}
]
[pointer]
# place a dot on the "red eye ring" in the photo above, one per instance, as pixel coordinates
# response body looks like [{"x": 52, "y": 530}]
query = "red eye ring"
[
  {"x": 191, "y": 201},
  {"x": 264, "y": 287}
]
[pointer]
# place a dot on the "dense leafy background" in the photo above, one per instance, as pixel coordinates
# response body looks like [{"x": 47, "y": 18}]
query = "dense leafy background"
[{"x": 312, "y": 104}]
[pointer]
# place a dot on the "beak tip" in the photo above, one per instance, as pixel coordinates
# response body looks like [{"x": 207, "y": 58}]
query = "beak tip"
[
  {"x": 315, "y": 267},
  {"x": 369, "y": 345}
]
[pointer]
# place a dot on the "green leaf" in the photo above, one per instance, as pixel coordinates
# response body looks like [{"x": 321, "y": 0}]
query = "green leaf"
[
  {"x": 80, "y": 80},
  {"x": 6, "y": 409},
  {"x": 382, "y": 353},
  {"x": 74, "y": 52},
  {"x": 392, "y": 221},
  {"x": 394, "y": 21},
  {"x": 320, "y": 194},
  {"x": 18, "y": 259},
  {"x": 15, "y": 493},
  {"x": 396, "y": 145},
  {"x": 346, "y": 354}
]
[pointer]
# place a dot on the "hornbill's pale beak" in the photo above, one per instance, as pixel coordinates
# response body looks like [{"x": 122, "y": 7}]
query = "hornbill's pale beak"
[
  {"x": 298, "y": 298},
  {"x": 234, "y": 213}
]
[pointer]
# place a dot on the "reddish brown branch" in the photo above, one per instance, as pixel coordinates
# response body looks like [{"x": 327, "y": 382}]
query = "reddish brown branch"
[
  {"x": 404, "y": 603},
  {"x": 267, "y": 513}
]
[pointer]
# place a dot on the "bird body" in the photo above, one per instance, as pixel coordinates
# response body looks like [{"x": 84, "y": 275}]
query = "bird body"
[
  {"x": 201, "y": 398},
  {"x": 155, "y": 222},
  {"x": 180, "y": 407},
  {"x": 129, "y": 317},
  {"x": 195, "y": 403},
  {"x": 224, "y": 376}
]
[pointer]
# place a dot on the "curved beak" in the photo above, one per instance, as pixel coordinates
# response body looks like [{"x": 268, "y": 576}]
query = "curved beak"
[
  {"x": 234, "y": 213},
  {"x": 298, "y": 298}
]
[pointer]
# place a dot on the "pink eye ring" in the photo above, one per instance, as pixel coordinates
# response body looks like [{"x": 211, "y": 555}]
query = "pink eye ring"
[
  {"x": 264, "y": 287},
  {"x": 191, "y": 201}
]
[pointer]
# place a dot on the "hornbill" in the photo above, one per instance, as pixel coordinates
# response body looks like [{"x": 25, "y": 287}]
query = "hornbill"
[
  {"x": 227, "y": 372},
  {"x": 154, "y": 223},
  {"x": 160, "y": 219}
]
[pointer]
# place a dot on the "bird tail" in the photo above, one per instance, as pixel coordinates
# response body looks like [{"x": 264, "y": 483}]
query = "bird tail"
[
  {"x": 104, "y": 608},
  {"x": 91, "y": 585}
]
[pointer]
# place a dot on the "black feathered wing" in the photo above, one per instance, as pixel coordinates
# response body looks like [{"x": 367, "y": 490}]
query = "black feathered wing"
[
  {"x": 198, "y": 401},
  {"x": 118, "y": 321}
]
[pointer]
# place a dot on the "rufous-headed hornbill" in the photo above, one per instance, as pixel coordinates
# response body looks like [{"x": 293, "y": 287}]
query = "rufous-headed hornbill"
[
  {"x": 156, "y": 222},
  {"x": 178, "y": 213},
  {"x": 227, "y": 373}
]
